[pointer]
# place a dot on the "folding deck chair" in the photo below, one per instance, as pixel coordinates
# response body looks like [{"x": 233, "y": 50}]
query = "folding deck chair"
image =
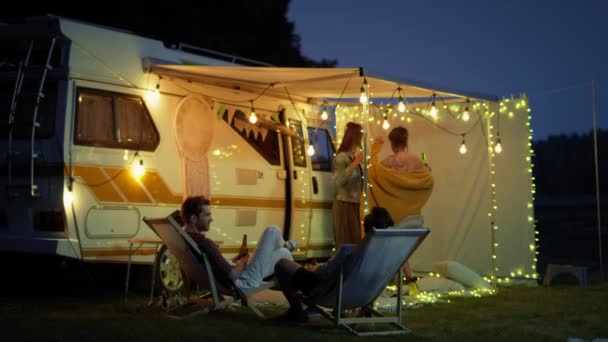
[
  {"x": 197, "y": 266},
  {"x": 364, "y": 275}
]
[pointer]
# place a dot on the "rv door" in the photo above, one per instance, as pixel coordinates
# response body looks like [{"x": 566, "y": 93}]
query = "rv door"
[
  {"x": 321, "y": 236},
  {"x": 299, "y": 187}
]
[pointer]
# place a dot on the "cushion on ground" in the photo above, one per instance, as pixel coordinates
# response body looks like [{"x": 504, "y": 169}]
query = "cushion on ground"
[
  {"x": 462, "y": 274},
  {"x": 435, "y": 284}
]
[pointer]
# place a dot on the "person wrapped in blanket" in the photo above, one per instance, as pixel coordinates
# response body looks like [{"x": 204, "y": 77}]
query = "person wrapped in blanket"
[
  {"x": 246, "y": 272},
  {"x": 401, "y": 182},
  {"x": 316, "y": 278}
]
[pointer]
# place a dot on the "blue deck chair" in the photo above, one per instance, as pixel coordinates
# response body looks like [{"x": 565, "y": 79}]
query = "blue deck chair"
[
  {"x": 195, "y": 263},
  {"x": 364, "y": 275}
]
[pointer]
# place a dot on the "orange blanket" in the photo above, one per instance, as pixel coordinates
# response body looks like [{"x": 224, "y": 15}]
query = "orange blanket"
[{"x": 402, "y": 193}]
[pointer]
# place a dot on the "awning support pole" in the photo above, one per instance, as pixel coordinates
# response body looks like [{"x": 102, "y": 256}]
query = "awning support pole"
[{"x": 597, "y": 181}]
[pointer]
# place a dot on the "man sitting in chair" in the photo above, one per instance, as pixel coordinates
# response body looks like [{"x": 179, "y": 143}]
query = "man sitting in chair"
[
  {"x": 247, "y": 272},
  {"x": 293, "y": 277}
]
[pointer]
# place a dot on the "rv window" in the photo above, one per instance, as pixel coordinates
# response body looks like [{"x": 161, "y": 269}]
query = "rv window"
[
  {"x": 114, "y": 120},
  {"x": 297, "y": 144},
  {"x": 265, "y": 141},
  {"x": 324, "y": 149}
]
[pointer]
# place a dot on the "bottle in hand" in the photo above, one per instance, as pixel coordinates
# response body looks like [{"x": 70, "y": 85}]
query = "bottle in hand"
[{"x": 243, "y": 251}]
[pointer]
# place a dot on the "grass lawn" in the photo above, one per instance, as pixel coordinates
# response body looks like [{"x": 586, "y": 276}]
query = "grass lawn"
[{"x": 514, "y": 314}]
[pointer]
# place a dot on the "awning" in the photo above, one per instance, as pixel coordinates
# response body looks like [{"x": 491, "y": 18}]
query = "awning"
[{"x": 325, "y": 83}]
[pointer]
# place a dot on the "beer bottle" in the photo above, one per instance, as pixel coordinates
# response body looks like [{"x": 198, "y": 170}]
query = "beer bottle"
[{"x": 243, "y": 250}]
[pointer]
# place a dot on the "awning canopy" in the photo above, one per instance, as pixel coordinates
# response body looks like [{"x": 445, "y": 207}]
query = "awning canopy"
[{"x": 325, "y": 83}]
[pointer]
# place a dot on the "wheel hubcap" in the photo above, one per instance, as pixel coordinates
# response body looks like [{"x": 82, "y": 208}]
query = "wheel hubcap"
[{"x": 169, "y": 272}]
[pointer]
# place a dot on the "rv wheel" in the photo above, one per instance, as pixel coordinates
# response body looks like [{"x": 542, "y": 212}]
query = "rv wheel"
[{"x": 169, "y": 276}]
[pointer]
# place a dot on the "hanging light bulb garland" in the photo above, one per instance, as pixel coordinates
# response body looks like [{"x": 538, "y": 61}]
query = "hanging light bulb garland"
[
  {"x": 465, "y": 114},
  {"x": 385, "y": 124},
  {"x": 252, "y": 117},
  {"x": 310, "y": 150},
  {"x": 401, "y": 104},
  {"x": 363, "y": 97},
  {"x": 433, "y": 111},
  {"x": 498, "y": 145},
  {"x": 137, "y": 168},
  {"x": 324, "y": 115},
  {"x": 463, "y": 146}
]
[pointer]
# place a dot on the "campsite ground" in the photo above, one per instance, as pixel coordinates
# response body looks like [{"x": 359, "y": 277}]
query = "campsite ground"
[{"x": 66, "y": 308}]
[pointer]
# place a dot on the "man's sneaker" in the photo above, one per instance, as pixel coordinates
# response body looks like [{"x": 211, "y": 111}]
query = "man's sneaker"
[{"x": 291, "y": 245}]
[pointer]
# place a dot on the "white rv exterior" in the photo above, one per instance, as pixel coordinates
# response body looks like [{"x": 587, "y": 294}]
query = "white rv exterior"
[{"x": 82, "y": 199}]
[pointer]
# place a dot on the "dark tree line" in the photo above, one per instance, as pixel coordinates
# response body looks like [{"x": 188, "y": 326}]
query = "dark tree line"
[
  {"x": 564, "y": 165},
  {"x": 253, "y": 29}
]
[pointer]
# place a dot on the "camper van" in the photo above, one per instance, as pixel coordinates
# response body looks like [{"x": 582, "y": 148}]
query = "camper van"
[
  {"x": 103, "y": 127},
  {"x": 94, "y": 142}
]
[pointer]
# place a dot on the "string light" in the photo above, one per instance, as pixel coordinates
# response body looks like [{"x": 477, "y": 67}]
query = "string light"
[
  {"x": 401, "y": 105},
  {"x": 252, "y": 117},
  {"x": 498, "y": 146},
  {"x": 465, "y": 114},
  {"x": 310, "y": 150},
  {"x": 363, "y": 97},
  {"x": 68, "y": 196},
  {"x": 463, "y": 146},
  {"x": 385, "y": 124},
  {"x": 324, "y": 114},
  {"x": 433, "y": 111},
  {"x": 138, "y": 169}
]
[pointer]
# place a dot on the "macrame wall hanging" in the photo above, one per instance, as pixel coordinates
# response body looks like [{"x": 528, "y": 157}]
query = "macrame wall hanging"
[{"x": 195, "y": 123}]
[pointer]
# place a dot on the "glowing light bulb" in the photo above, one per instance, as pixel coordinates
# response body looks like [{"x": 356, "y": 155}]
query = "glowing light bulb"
[
  {"x": 433, "y": 111},
  {"x": 498, "y": 146},
  {"x": 463, "y": 148},
  {"x": 401, "y": 105},
  {"x": 253, "y": 118},
  {"x": 324, "y": 115},
  {"x": 68, "y": 197},
  {"x": 465, "y": 115},
  {"x": 385, "y": 124},
  {"x": 310, "y": 150},
  {"x": 363, "y": 98},
  {"x": 138, "y": 169}
]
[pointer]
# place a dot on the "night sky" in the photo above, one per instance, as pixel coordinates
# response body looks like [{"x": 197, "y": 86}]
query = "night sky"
[{"x": 549, "y": 50}]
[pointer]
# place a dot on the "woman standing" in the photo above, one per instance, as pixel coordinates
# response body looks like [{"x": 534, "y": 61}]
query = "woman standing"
[{"x": 349, "y": 184}]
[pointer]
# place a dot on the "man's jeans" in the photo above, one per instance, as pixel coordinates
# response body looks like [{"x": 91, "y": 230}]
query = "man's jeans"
[{"x": 268, "y": 252}]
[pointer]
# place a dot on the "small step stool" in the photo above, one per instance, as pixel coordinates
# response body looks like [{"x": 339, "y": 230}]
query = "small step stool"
[{"x": 553, "y": 270}]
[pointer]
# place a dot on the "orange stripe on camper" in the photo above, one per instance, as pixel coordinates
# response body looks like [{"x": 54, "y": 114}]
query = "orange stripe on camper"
[
  {"x": 97, "y": 183},
  {"x": 158, "y": 188},
  {"x": 303, "y": 204},
  {"x": 129, "y": 186},
  {"x": 247, "y": 202}
]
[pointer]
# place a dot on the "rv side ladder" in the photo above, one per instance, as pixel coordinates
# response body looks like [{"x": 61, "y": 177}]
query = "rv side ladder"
[{"x": 36, "y": 95}]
